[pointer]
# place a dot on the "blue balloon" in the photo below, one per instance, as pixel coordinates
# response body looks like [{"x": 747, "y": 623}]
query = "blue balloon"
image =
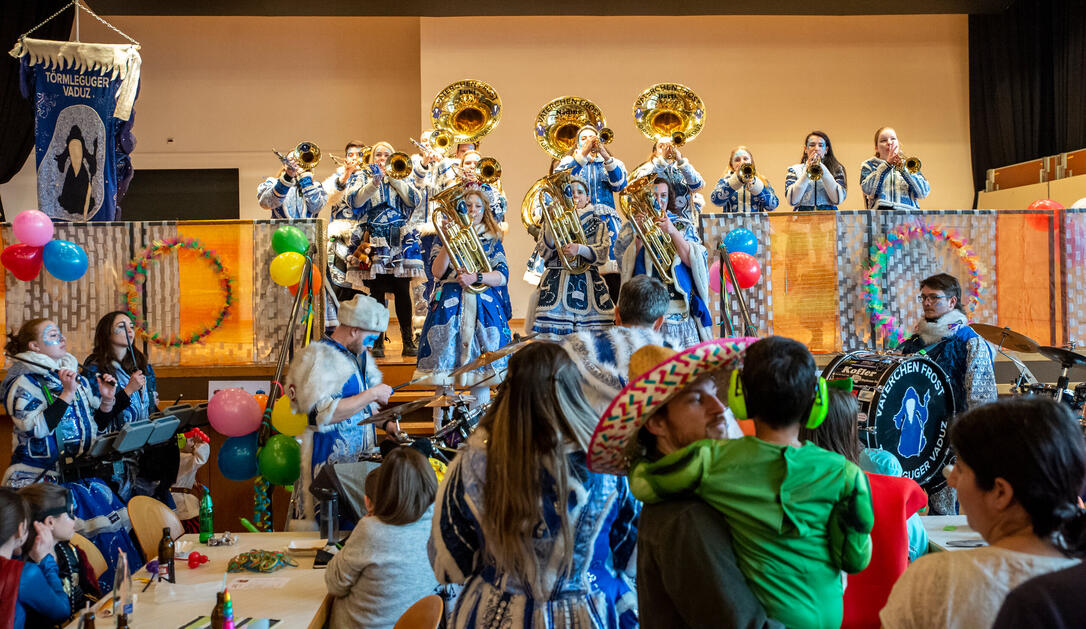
[
  {"x": 741, "y": 240},
  {"x": 237, "y": 457},
  {"x": 65, "y": 260}
]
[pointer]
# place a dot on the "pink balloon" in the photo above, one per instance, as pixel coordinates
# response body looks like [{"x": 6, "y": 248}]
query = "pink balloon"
[
  {"x": 714, "y": 276},
  {"x": 233, "y": 412},
  {"x": 33, "y": 227}
]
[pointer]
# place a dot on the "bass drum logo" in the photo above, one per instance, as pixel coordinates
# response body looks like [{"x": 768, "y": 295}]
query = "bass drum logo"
[{"x": 910, "y": 419}]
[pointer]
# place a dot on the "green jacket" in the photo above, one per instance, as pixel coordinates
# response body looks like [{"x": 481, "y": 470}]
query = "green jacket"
[{"x": 799, "y": 516}]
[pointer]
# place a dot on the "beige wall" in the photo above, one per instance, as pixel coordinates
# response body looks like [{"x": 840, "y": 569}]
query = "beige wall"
[
  {"x": 766, "y": 81},
  {"x": 228, "y": 89}
]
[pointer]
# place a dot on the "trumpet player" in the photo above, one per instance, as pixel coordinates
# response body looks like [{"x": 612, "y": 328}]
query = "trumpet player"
[
  {"x": 383, "y": 206},
  {"x": 566, "y": 301},
  {"x": 292, "y": 193},
  {"x": 666, "y": 160},
  {"x": 817, "y": 182},
  {"x": 462, "y": 324},
  {"x": 890, "y": 180},
  {"x": 742, "y": 188},
  {"x": 688, "y": 320},
  {"x": 349, "y": 175},
  {"x": 469, "y": 174}
]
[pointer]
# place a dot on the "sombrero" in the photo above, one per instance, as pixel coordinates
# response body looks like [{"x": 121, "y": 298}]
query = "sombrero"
[{"x": 663, "y": 374}]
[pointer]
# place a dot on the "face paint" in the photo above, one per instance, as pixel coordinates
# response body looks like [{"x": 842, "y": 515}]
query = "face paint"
[
  {"x": 369, "y": 340},
  {"x": 51, "y": 337}
]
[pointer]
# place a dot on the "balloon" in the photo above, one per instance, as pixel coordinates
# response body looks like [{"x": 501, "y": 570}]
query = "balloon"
[
  {"x": 286, "y": 268},
  {"x": 233, "y": 412},
  {"x": 1080, "y": 204},
  {"x": 285, "y": 420},
  {"x": 23, "y": 260},
  {"x": 747, "y": 270},
  {"x": 1040, "y": 222},
  {"x": 261, "y": 401},
  {"x": 280, "y": 460},
  {"x": 65, "y": 260},
  {"x": 1044, "y": 204},
  {"x": 317, "y": 283},
  {"x": 714, "y": 276},
  {"x": 33, "y": 227},
  {"x": 290, "y": 238},
  {"x": 741, "y": 240},
  {"x": 237, "y": 457}
]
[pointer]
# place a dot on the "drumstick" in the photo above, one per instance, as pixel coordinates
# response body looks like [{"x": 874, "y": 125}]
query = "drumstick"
[{"x": 34, "y": 363}]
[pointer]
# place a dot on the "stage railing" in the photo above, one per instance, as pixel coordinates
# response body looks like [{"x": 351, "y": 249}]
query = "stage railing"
[
  {"x": 814, "y": 264},
  {"x": 181, "y": 293}
]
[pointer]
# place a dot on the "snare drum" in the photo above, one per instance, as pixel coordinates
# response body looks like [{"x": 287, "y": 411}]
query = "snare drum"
[
  {"x": 1051, "y": 391},
  {"x": 908, "y": 402}
]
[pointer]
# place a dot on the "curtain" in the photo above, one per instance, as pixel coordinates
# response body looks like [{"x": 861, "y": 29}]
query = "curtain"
[
  {"x": 1027, "y": 83},
  {"x": 16, "y": 114}
]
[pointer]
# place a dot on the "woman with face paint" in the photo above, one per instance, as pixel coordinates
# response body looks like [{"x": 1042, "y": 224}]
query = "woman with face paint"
[
  {"x": 668, "y": 162},
  {"x": 461, "y": 324},
  {"x": 56, "y": 412},
  {"x": 742, "y": 188},
  {"x": 566, "y": 302},
  {"x": 817, "y": 182}
]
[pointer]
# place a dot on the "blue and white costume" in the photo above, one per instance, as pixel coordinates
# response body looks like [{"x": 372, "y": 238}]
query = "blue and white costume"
[
  {"x": 603, "y": 358},
  {"x": 142, "y": 404},
  {"x": 323, "y": 373},
  {"x": 963, "y": 355},
  {"x": 31, "y": 396},
  {"x": 685, "y": 181},
  {"x": 601, "y": 513},
  {"x": 383, "y": 209},
  {"x": 564, "y": 302},
  {"x": 688, "y": 321},
  {"x": 461, "y": 325},
  {"x": 604, "y": 178},
  {"x": 287, "y": 198},
  {"x": 337, "y": 195},
  {"x": 806, "y": 195},
  {"x": 892, "y": 188},
  {"x": 732, "y": 195}
]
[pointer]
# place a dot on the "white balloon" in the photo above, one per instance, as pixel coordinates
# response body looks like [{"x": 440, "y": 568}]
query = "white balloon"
[{"x": 1080, "y": 204}]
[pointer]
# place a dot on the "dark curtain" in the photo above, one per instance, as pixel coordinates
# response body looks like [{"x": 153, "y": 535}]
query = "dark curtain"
[
  {"x": 1027, "y": 83},
  {"x": 16, "y": 114}
]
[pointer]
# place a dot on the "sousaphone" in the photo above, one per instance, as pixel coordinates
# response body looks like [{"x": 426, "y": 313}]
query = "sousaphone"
[
  {"x": 468, "y": 110},
  {"x": 669, "y": 111},
  {"x": 558, "y": 121}
]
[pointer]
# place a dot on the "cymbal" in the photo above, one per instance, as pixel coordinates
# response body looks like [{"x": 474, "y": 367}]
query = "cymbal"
[
  {"x": 398, "y": 411},
  {"x": 486, "y": 358},
  {"x": 1065, "y": 357},
  {"x": 449, "y": 400},
  {"x": 1006, "y": 338}
]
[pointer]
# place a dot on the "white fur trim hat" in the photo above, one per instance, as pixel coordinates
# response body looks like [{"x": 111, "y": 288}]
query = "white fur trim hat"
[{"x": 363, "y": 311}]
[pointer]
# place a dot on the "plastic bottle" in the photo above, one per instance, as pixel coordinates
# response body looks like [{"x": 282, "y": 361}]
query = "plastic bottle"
[
  {"x": 207, "y": 517},
  {"x": 122, "y": 587}
]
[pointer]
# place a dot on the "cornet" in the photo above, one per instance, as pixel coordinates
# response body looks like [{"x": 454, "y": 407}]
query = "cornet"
[
  {"x": 814, "y": 169},
  {"x": 911, "y": 164},
  {"x": 747, "y": 173}
]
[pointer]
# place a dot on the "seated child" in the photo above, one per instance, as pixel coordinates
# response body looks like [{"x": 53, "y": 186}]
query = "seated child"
[
  {"x": 799, "y": 515},
  {"x": 31, "y": 588},
  {"x": 383, "y": 568}
]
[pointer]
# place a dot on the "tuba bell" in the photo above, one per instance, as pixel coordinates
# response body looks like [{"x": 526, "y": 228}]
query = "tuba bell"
[
  {"x": 458, "y": 235},
  {"x": 466, "y": 110},
  {"x": 558, "y": 121},
  {"x": 638, "y": 205},
  {"x": 559, "y": 216},
  {"x": 669, "y": 111}
]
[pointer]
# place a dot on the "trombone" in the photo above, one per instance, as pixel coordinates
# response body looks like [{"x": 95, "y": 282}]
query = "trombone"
[
  {"x": 306, "y": 155},
  {"x": 639, "y": 207}
]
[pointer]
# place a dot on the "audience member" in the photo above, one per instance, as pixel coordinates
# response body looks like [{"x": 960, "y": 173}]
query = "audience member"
[
  {"x": 31, "y": 587},
  {"x": 1020, "y": 468}
]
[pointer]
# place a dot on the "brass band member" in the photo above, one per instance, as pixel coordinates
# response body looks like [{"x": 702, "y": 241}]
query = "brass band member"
[
  {"x": 817, "y": 182},
  {"x": 667, "y": 161},
  {"x": 743, "y": 188},
  {"x": 891, "y": 180}
]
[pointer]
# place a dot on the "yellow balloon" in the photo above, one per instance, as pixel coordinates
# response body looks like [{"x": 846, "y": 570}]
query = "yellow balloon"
[
  {"x": 287, "y": 421},
  {"x": 286, "y": 268}
]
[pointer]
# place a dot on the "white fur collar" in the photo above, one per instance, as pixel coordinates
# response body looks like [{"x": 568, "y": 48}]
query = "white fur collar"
[
  {"x": 934, "y": 331},
  {"x": 66, "y": 361},
  {"x": 319, "y": 371}
]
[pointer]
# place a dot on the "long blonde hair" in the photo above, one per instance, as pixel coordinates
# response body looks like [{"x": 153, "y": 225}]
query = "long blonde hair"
[{"x": 539, "y": 412}]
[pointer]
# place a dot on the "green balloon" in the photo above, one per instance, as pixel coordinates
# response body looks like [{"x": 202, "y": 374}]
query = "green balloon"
[
  {"x": 280, "y": 460},
  {"x": 290, "y": 238}
]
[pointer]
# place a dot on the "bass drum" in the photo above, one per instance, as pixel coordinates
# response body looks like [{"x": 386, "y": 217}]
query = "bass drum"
[{"x": 908, "y": 403}]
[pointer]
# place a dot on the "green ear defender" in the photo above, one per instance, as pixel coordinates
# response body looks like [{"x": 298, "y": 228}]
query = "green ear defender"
[
  {"x": 735, "y": 395},
  {"x": 738, "y": 404}
]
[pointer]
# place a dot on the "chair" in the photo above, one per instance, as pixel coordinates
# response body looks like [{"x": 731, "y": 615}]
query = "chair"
[
  {"x": 893, "y": 500},
  {"x": 94, "y": 556},
  {"x": 149, "y": 517},
  {"x": 424, "y": 614}
]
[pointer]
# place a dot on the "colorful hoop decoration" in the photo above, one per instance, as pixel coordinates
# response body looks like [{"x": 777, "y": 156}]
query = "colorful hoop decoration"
[
  {"x": 876, "y": 267},
  {"x": 136, "y": 273}
]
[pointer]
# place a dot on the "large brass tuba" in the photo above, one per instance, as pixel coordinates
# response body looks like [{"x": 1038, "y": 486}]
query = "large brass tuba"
[
  {"x": 558, "y": 121},
  {"x": 560, "y": 217},
  {"x": 468, "y": 110},
  {"x": 458, "y": 235},
  {"x": 638, "y": 205},
  {"x": 669, "y": 111}
]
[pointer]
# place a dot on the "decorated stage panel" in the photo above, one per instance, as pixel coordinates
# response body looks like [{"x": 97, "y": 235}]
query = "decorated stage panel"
[
  {"x": 173, "y": 276},
  {"x": 848, "y": 280}
]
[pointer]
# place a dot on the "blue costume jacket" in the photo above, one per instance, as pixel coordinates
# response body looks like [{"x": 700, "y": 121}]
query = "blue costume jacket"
[
  {"x": 731, "y": 195},
  {"x": 289, "y": 199},
  {"x": 892, "y": 188}
]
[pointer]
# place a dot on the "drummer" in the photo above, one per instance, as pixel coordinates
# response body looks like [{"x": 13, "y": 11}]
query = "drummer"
[{"x": 944, "y": 334}]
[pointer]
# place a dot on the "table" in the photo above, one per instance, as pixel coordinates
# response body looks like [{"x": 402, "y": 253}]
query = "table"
[
  {"x": 960, "y": 538},
  {"x": 303, "y": 602}
]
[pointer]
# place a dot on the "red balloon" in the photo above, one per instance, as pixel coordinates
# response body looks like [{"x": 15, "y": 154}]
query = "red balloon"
[
  {"x": 1044, "y": 204},
  {"x": 1040, "y": 222},
  {"x": 317, "y": 283},
  {"x": 23, "y": 260},
  {"x": 747, "y": 269}
]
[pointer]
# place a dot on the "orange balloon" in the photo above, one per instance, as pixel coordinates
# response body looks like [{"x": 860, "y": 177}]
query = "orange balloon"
[
  {"x": 317, "y": 283},
  {"x": 261, "y": 399}
]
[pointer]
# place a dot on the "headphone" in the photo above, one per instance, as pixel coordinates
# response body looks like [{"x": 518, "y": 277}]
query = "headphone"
[{"x": 738, "y": 403}]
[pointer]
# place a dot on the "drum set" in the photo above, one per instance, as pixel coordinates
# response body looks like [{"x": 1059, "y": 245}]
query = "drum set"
[
  {"x": 459, "y": 414},
  {"x": 1026, "y": 384}
]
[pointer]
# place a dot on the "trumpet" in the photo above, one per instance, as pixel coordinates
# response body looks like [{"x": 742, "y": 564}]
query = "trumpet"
[
  {"x": 458, "y": 236},
  {"x": 911, "y": 164},
  {"x": 559, "y": 216},
  {"x": 606, "y": 135},
  {"x": 340, "y": 161},
  {"x": 398, "y": 165},
  {"x": 747, "y": 173},
  {"x": 639, "y": 207},
  {"x": 815, "y": 170}
]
